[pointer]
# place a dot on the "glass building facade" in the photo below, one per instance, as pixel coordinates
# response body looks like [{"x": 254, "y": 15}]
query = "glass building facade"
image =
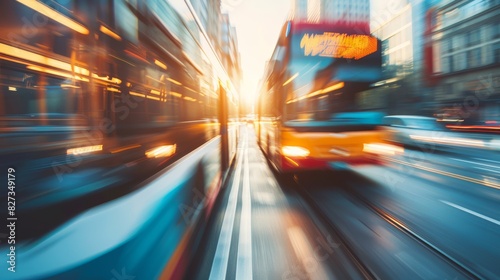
[{"x": 466, "y": 53}]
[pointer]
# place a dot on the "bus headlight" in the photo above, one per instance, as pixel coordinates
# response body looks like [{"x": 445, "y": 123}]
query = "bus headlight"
[
  {"x": 294, "y": 151},
  {"x": 162, "y": 151},
  {"x": 382, "y": 149}
]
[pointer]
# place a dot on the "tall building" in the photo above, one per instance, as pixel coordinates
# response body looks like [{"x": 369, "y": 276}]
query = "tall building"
[
  {"x": 466, "y": 59},
  {"x": 230, "y": 57},
  {"x": 402, "y": 30},
  {"x": 300, "y": 9},
  {"x": 346, "y": 11},
  {"x": 201, "y": 9},
  {"x": 354, "y": 13},
  {"x": 210, "y": 16}
]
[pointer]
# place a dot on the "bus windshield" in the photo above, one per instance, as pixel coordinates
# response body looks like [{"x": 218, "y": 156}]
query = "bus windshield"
[{"x": 324, "y": 73}]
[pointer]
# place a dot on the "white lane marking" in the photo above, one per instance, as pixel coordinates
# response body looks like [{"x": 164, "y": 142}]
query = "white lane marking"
[
  {"x": 486, "y": 169},
  {"x": 472, "y": 212},
  {"x": 221, "y": 258},
  {"x": 494, "y": 161},
  {"x": 473, "y": 162},
  {"x": 244, "y": 260}
]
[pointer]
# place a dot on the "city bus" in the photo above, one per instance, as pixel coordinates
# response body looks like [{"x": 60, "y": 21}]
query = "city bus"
[
  {"x": 308, "y": 110},
  {"x": 118, "y": 122}
]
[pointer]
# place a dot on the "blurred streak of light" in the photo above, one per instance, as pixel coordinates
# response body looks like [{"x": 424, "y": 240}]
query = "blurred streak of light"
[
  {"x": 55, "y": 72},
  {"x": 161, "y": 64},
  {"x": 478, "y": 163},
  {"x": 27, "y": 55},
  {"x": 176, "y": 94},
  {"x": 339, "y": 152},
  {"x": 136, "y": 93},
  {"x": 291, "y": 161},
  {"x": 153, "y": 97},
  {"x": 110, "y": 33},
  {"x": 386, "y": 81},
  {"x": 384, "y": 149},
  {"x": 14, "y": 88},
  {"x": 124, "y": 148},
  {"x": 54, "y": 15},
  {"x": 190, "y": 99},
  {"x": 449, "y": 120},
  {"x": 112, "y": 89},
  {"x": 486, "y": 183},
  {"x": 37, "y": 58},
  {"x": 174, "y": 81},
  {"x": 318, "y": 92},
  {"x": 294, "y": 151},
  {"x": 136, "y": 56},
  {"x": 450, "y": 140},
  {"x": 107, "y": 79},
  {"x": 121, "y": 59},
  {"x": 154, "y": 91},
  {"x": 462, "y": 127},
  {"x": 161, "y": 151},
  {"x": 65, "y": 86},
  {"x": 495, "y": 143},
  {"x": 291, "y": 79},
  {"x": 489, "y": 181},
  {"x": 190, "y": 89},
  {"x": 84, "y": 150},
  {"x": 156, "y": 80},
  {"x": 303, "y": 251}
]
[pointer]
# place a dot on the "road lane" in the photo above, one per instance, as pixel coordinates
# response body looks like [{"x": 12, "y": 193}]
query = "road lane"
[
  {"x": 459, "y": 217},
  {"x": 221, "y": 258},
  {"x": 273, "y": 235},
  {"x": 384, "y": 248}
]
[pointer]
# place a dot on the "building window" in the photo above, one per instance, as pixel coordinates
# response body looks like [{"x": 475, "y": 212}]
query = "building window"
[
  {"x": 445, "y": 65},
  {"x": 496, "y": 30},
  {"x": 456, "y": 42},
  {"x": 459, "y": 62},
  {"x": 445, "y": 46},
  {"x": 473, "y": 37},
  {"x": 474, "y": 58},
  {"x": 496, "y": 52}
]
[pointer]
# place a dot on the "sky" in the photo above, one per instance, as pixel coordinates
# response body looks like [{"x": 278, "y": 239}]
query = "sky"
[{"x": 258, "y": 23}]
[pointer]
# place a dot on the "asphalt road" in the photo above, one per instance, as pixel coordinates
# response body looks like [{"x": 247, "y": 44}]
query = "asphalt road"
[{"x": 418, "y": 216}]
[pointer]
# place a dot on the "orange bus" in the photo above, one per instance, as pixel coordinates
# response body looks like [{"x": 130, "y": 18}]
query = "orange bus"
[{"x": 308, "y": 112}]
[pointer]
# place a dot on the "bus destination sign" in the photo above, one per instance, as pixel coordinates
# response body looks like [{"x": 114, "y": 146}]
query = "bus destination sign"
[{"x": 338, "y": 45}]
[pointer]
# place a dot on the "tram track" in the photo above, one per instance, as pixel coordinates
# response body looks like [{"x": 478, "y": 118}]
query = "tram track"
[
  {"x": 310, "y": 204},
  {"x": 402, "y": 227},
  {"x": 367, "y": 271}
]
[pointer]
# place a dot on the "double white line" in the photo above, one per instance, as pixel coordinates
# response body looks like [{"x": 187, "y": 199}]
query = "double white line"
[{"x": 244, "y": 258}]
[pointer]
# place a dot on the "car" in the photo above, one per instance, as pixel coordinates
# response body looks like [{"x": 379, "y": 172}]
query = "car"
[{"x": 414, "y": 131}]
